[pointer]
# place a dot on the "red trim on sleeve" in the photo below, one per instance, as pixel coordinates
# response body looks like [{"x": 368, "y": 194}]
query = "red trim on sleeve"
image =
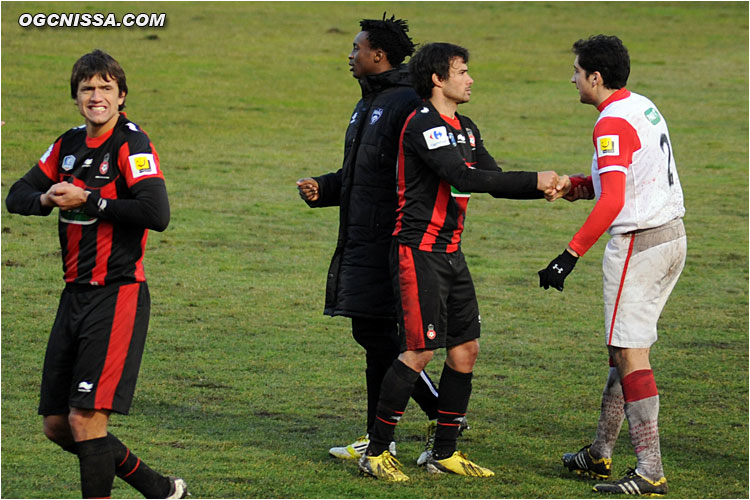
[
  {"x": 609, "y": 205},
  {"x": 123, "y": 162},
  {"x": 638, "y": 385},
  {"x": 626, "y": 142},
  {"x": 49, "y": 162}
]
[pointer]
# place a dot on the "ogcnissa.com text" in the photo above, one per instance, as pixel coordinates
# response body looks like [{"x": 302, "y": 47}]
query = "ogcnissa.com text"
[{"x": 92, "y": 20}]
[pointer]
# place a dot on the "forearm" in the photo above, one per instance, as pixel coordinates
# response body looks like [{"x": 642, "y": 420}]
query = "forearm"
[
  {"x": 609, "y": 205},
  {"x": 149, "y": 208},
  {"x": 25, "y": 196},
  {"x": 516, "y": 185}
]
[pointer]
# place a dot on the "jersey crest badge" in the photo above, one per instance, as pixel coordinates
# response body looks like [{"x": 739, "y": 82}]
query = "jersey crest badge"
[
  {"x": 472, "y": 141},
  {"x": 431, "y": 333},
  {"x": 104, "y": 166},
  {"x": 142, "y": 164},
  {"x": 608, "y": 145},
  {"x": 68, "y": 162},
  {"x": 436, "y": 137},
  {"x": 375, "y": 116}
]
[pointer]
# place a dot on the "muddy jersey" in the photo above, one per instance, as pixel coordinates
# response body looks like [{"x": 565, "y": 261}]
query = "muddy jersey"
[{"x": 631, "y": 136}]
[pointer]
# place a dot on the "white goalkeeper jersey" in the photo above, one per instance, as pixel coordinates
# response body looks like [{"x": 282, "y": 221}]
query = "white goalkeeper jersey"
[{"x": 631, "y": 136}]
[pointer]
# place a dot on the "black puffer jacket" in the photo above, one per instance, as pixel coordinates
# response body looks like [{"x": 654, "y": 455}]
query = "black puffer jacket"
[{"x": 359, "y": 280}]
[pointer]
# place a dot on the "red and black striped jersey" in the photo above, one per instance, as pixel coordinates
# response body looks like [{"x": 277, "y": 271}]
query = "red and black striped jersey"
[
  {"x": 441, "y": 161},
  {"x": 103, "y": 241}
]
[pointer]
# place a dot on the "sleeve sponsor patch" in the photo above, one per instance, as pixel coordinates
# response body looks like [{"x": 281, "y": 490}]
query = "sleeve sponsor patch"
[
  {"x": 142, "y": 164},
  {"x": 436, "y": 137},
  {"x": 608, "y": 145}
]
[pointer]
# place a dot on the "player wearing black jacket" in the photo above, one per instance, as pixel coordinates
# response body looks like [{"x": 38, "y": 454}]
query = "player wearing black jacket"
[
  {"x": 106, "y": 181},
  {"x": 358, "y": 283},
  {"x": 441, "y": 160}
]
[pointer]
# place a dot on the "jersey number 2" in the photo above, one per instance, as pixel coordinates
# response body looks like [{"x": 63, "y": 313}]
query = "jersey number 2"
[{"x": 664, "y": 140}]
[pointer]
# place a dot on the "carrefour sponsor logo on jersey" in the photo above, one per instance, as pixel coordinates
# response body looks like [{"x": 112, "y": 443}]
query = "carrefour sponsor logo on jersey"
[
  {"x": 142, "y": 164},
  {"x": 436, "y": 137},
  {"x": 652, "y": 115},
  {"x": 608, "y": 145}
]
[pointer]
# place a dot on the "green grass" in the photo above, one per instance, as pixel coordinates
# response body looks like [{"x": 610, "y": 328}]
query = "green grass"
[{"x": 245, "y": 384}]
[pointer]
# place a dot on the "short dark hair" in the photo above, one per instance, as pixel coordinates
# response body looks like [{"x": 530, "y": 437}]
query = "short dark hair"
[
  {"x": 98, "y": 63},
  {"x": 390, "y": 36},
  {"x": 608, "y": 56},
  {"x": 433, "y": 58}
]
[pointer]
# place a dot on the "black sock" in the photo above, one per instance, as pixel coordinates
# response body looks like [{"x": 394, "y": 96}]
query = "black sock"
[
  {"x": 137, "y": 474},
  {"x": 455, "y": 391},
  {"x": 377, "y": 367},
  {"x": 398, "y": 384},
  {"x": 97, "y": 468}
]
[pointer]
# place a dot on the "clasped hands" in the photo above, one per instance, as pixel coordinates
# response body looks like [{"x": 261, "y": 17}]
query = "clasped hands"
[
  {"x": 65, "y": 196},
  {"x": 555, "y": 186}
]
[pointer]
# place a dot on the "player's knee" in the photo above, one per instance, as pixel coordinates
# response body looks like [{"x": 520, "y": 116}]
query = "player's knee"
[{"x": 56, "y": 429}]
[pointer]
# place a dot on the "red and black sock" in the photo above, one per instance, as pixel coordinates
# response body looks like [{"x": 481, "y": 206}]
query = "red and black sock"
[
  {"x": 397, "y": 388},
  {"x": 136, "y": 473},
  {"x": 455, "y": 391},
  {"x": 97, "y": 468}
]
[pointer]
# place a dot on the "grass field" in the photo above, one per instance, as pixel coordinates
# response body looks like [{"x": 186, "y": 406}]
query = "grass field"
[{"x": 245, "y": 384}]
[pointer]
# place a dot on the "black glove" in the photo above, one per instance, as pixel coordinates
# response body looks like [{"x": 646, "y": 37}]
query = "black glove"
[{"x": 557, "y": 270}]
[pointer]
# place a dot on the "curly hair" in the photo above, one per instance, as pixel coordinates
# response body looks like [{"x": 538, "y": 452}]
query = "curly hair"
[
  {"x": 98, "y": 63},
  {"x": 389, "y": 35},
  {"x": 608, "y": 56},
  {"x": 433, "y": 58}
]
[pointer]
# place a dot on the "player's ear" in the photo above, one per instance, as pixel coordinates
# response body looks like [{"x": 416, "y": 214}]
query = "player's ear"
[{"x": 436, "y": 80}]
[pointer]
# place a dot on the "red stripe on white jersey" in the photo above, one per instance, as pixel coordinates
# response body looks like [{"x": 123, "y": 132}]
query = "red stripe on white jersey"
[
  {"x": 119, "y": 344},
  {"x": 409, "y": 288},
  {"x": 619, "y": 290}
]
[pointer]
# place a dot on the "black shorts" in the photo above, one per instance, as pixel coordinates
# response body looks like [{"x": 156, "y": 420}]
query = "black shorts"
[
  {"x": 436, "y": 301},
  {"x": 95, "y": 348}
]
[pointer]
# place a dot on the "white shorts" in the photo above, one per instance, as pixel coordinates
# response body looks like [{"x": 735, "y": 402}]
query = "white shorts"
[{"x": 640, "y": 270}]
